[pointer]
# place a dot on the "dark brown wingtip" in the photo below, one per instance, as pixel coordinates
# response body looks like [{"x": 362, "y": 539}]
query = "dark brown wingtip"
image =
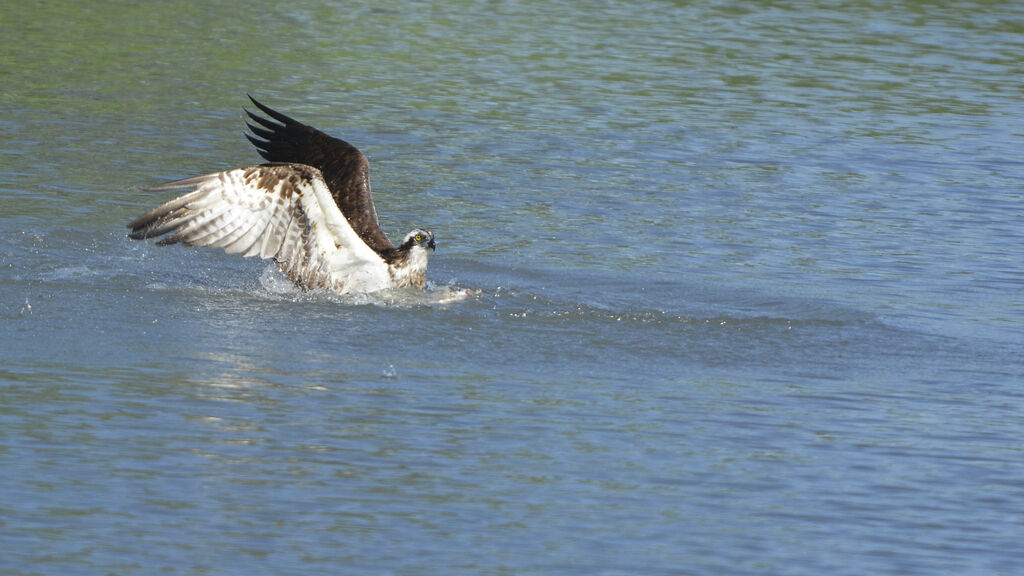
[
  {"x": 261, "y": 144},
  {"x": 263, "y": 148},
  {"x": 269, "y": 112},
  {"x": 260, "y": 132},
  {"x": 253, "y": 100},
  {"x": 266, "y": 123}
]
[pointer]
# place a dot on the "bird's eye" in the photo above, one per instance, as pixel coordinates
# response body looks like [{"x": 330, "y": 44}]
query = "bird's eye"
[{"x": 418, "y": 238}]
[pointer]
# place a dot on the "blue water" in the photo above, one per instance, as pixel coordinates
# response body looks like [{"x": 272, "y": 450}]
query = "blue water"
[{"x": 750, "y": 293}]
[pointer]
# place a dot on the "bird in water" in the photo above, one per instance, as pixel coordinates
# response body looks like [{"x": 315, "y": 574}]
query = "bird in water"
[{"x": 308, "y": 208}]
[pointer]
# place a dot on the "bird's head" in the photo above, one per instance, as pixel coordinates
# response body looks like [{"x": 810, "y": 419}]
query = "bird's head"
[{"x": 419, "y": 237}]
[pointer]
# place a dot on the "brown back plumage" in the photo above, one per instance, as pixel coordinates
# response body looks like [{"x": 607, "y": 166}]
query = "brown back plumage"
[{"x": 345, "y": 169}]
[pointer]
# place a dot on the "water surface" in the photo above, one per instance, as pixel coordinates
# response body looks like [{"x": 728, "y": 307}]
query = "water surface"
[{"x": 750, "y": 293}]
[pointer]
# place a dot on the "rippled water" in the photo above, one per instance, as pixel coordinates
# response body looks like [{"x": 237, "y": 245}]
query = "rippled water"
[{"x": 750, "y": 293}]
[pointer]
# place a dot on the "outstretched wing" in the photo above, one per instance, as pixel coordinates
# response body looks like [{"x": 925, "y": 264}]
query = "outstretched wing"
[
  {"x": 279, "y": 211},
  {"x": 346, "y": 170}
]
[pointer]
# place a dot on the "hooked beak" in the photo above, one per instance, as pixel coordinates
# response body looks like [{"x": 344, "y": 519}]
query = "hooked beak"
[{"x": 431, "y": 245}]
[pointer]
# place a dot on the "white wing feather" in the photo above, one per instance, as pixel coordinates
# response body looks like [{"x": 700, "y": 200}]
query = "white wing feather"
[{"x": 281, "y": 211}]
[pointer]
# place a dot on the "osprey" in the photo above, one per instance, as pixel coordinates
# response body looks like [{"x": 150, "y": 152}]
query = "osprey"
[{"x": 309, "y": 209}]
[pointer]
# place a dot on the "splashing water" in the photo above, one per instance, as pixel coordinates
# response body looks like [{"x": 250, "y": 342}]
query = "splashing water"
[{"x": 276, "y": 284}]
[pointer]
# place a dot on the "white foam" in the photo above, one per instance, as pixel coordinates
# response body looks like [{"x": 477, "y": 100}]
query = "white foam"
[{"x": 274, "y": 283}]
